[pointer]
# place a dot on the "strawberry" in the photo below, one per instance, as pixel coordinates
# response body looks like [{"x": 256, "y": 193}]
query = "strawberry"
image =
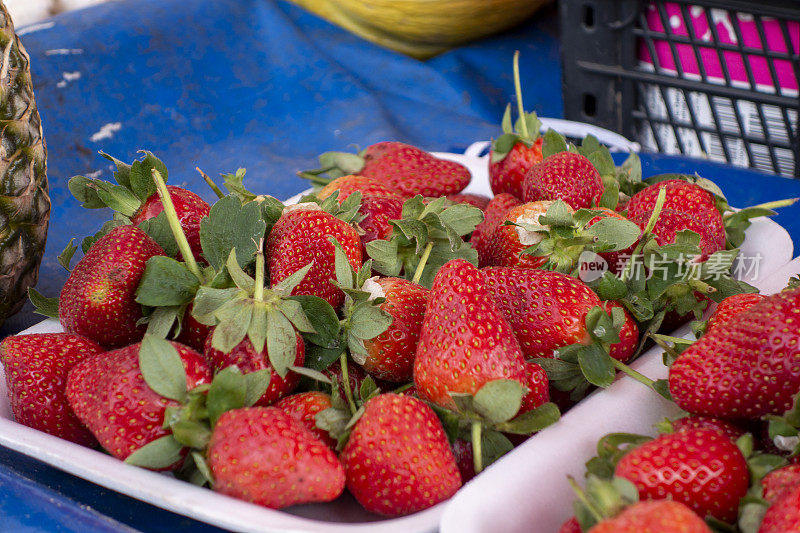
[
  {"x": 671, "y": 221},
  {"x": 36, "y": 369},
  {"x": 193, "y": 333},
  {"x": 745, "y": 368},
  {"x": 729, "y": 429},
  {"x": 301, "y": 236},
  {"x": 377, "y": 211},
  {"x": 494, "y": 215},
  {"x": 98, "y": 298},
  {"x": 409, "y": 171},
  {"x": 248, "y": 359},
  {"x": 701, "y": 468},
  {"x": 547, "y": 310},
  {"x": 506, "y": 243},
  {"x": 465, "y": 340},
  {"x": 538, "y": 389},
  {"x": 732, "y": 306},
  {"x": 265, "y": 456},
  {"x": 475, "y": 200},
  {"x": 564, "y": 176},
  {"x": 628, "y": 335},
  {"x": 347, "y": 185},
  {"x": 780, "y": 481},
  {"x": 110, "y": 396},
  {"x": 397, "y": 459},
  {"x": 355, "y": 377},
  {"x": 783, "y": 515},
  {"x": 391, "y": 354},
  {"x": 190, "y": 208},
  {"x": 507, "y": 175},
  {"x": 658, "y": 516},
  {"x": 462, "y": 452},
  {"x": 304, "y": 406},
  {"x": 570, "y": 526}
]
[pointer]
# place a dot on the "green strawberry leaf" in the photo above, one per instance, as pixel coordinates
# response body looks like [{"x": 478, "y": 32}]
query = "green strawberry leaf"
[
  {"x": 233, "y": 319},
  {"x": 367, "y": 321},
  {"x": 368, "y": 389},
  {"x": 281, "y": 342},
  {"x": 610, "y": 449},
  {"x": 494, "y": 445},
  {"x": 532, "y": 421},
  {"x": 162, "y": 368},
  {"x": 615, "y": 233},
  {"x": 209, "y": 300},
  {"x": 231, "y": 225},
  {"x": 323, "y": 319},
  {"x": 320, "y": 358},
  {"x": 141, "y": 176},
  {"x": 42, "y": 304},
  {"x": 552, "y": 143},
  {"x": 228, "y": 391},
  {"x": 499, "y": 400},
  {"x": 600, "y": 157},
  {"x": 311, "y": 373},
  {"x": 503, "y": 145},
  {"x": 596, "y": 365},
  {"x": 158, "y": 229},
  {"x": 191, "y": 433},
  {"x": 123, "y": 172},
  {"x": 162, "y": 319},
  {"x": 117, "y": 197},
  {"x": 239, "y": 277},
  {"x": 166, "y": 282},
  {"x": 343, "y": 269},
  {"x": 271, "y": 211},
  {"x": 288, "y": 284},
  {"x": 257, "y": 330},
  {"x": 610, "y": 287},
  {"x": 256, "y": 384},
  {"x": 158, "y": 454},
  {"x": 384, "y": 255},
  {"x": 65, "y": 257},
  {"x": 234, "y": 182},
  {"x": 202, "y": 468},
  {"x": 461, "y": 218},
  {"x": 85, "y": 191}
]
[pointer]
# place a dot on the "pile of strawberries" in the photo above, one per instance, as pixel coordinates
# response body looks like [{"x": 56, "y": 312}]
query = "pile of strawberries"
[{"x": 389, "y": 334}]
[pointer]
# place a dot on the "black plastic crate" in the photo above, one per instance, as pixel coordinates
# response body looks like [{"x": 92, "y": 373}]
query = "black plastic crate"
[{"x": 716, "y": 79}]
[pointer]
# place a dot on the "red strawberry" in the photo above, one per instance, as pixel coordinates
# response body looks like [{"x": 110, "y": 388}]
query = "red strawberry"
[
  {"x": 347, "y": 185},
  {"x": 377, "y": 212},
  {"x": 98, "y": 298},
  {"x": 670, "y": 222},
  {"x": 475, "y": 200},
  {"x": 409, "y": 171},
  {"x": 659, "y": 516},
  {"x": 628, "y": 335},
  {"x": 36, "y": 369},
  {"x": 397, "y": 459},
  {"x": 299, "y": 237},
  {"x": 304, "y": 406},
  {"x": 538, "y": 387},
  {"x": 547, "y": 310},
  {"x": 248, "y": 360},
  {"x": 730, "y": 430},
  {"x": 780, "y": 481},
  {"x": 564, "y": 176},
  {"x": 391, "y": 354},
  {"x": 508, "y": 174},
  {"x": 493, "y": 216},
  {"x": 783, "y": 516},
  {"x": 190, "y": 208},
  {"x": 265, "y": 456},
  {"x": 355, "y": 378},
  {"x": 193, "y": 333},
  {"x": 745, "y": 368},
  {"x": 465, "y": 340},
  {"x": 109, "y": 395},
  {"x": 462, "y": 452},
  {"x": 506, "y": 243},
  {"x": 701, "y": 468},
  {"x": 570, "y": 526},
  {"x": 732, "y": 306}
]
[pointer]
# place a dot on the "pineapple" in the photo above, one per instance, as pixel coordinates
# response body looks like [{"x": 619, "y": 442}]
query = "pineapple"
[{"x": 24, "y": 202}]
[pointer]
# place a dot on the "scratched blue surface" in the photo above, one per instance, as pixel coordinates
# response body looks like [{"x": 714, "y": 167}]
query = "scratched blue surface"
[{"x": 259, "y": 84}]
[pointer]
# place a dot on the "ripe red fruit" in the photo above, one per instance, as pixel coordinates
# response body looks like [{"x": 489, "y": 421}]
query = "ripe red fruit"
[
  {"x": 730, "y": 430},
  {"x": 377, "y": 212},
  {"x": 193, "y": 333},
  {"x": 98, "y": 299},
  {"x": 190, "y": 208},
  {"x": 301, "y": 236},
  {"x": 493, "y": 216},
  {"x": 391, "y": 354},
  {"x": 397, "y": 459},
  {"x": 745, "y": 368},
  {"x": 538, "y": 387},
  {"x": 780, "y": 481},
  {"x": 465, "y": 341},
  {"x": 36, "y": 368},
  {"x": 506, "y": 243},
  {"x": 564, "y": 176},
  {"x": 658, "y": 516},
  {"x": 570, "y": 526},
  {"x": 247, "y": 359},
  {"x": 462, "y": 451},
  {"x": 783, "y": 516},
  {"x": 730, "y": 307},
  {"x": 475, "y": 200},
  {"x": 304, "y": 407},
  {"x": 347, "y": 185},
  {"x": 265, "y": 456},
  {"x": 699, "y": 467},
  {"x": 355, "y": 378},
  {"x": 670, "y": 222},
  {"x": 408, "y": 171},
  {"x": 628, "y": 335},
  {"x": 508, "y": 174},
  {"x": 110, "y": 396}
]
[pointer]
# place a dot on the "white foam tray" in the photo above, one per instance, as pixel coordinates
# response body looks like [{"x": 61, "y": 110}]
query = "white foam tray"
[{"x": 491, "y": 501}]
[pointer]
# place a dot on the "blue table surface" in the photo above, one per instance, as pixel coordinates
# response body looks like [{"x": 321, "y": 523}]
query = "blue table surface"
[{"x": 264, "y": 85}]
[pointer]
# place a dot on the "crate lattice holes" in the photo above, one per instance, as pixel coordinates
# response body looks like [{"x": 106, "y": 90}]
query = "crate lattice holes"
[{"x": 715, "y": 79}]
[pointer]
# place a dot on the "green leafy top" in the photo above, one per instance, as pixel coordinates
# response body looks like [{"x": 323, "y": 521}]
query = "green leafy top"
[
  {"x": 525, "y": 130},
  {"x": 334, "y": 165}
]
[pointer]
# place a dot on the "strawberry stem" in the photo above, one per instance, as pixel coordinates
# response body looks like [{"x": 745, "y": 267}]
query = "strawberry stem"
[
  {"x": 477, "y": 450},
  {"x": 664, "y": 346},
  {"x": 175, "y": 226},
  {"x": 258, "y": 292},
  {"x": 518, "y": 88},
  {"x": 346, "y": 384},
  {"x": 211, "y": 183},
  {"x": 768, "y": 205},
  {"x": 581, "y": 494},
  {"x": 641, "y": 378},
  {"x": 651, "y": 223},
  {"x": 422, "y": 260}
]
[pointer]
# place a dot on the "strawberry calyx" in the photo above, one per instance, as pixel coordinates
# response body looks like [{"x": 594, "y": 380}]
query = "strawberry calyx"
[
  {"x": 334, "y": 165},
  {"x": 428, "y": 234},
  {"x": 526, "y": 129},
  {"x": 601, "y": 499},
  {"x": 343, "y": 414},
  {"x": 753, "y": 506}
]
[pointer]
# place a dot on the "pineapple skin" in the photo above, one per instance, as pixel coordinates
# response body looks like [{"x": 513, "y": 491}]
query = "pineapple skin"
[{"x": 24, "y": 199}]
